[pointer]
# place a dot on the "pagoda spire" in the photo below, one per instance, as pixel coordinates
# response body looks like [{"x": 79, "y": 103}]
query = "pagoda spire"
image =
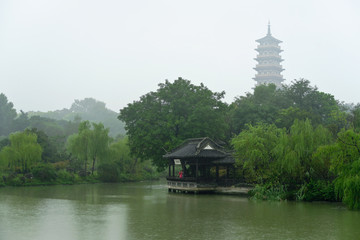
[{"x": 269, "y": 32}]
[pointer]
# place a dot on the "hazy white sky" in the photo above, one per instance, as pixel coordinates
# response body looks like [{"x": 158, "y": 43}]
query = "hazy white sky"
[{"x": 52, "y": 52}]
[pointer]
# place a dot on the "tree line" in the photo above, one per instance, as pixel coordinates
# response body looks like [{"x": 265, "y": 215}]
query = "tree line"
[
  {"x": 39, "y": 150},
  {"x": 295, "y": 142}
]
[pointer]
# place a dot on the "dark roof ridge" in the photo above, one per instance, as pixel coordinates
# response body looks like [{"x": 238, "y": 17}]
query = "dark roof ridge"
[
  {"x": 197, "y": 147},
  {"x": 207, "y": 138},
  {"x": 218, "y": 147},
  {"x": 184, "y": 143}
]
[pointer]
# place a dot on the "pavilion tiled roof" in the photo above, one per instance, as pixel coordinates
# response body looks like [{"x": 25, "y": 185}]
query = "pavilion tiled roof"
[{"x": 199, "y": 148}]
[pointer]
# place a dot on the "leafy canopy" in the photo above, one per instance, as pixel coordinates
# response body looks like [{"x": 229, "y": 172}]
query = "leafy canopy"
[
  {"x": 345, "y": 162},
  {"x": 91, "y": 143},
  {"x": 161, "y": 120},
  {"x": 7, "y": 115},
  {"x": 22, "y": 153}
]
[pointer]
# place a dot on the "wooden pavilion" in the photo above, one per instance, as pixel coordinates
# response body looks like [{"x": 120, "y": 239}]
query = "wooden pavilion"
[{"x": 200, "y": 165}]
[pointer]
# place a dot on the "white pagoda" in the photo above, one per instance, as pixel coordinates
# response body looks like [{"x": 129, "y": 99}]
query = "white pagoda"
[{"x": 268, "y": 67}]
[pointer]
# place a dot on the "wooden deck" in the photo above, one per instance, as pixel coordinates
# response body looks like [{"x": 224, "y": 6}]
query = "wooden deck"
[
  {"x": 184, "y": 186},
  {"x": 203, "y": 187}
]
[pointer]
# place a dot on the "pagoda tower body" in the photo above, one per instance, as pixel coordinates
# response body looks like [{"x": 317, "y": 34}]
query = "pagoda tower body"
[{"x": 268, "y": 67}]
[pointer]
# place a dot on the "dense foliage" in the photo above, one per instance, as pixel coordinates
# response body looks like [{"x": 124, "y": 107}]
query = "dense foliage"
[
  {"x": 22, "y": 153},
  {"x": 285, "y": 140},
  {"x": 281, "y": 107},
  {"x": 161, "y": 120},
  {"x": 295, "y": 142},
  {"x": 40, "y": 150}
]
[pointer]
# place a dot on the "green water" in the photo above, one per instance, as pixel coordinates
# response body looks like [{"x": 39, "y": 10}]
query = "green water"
[{"x": 148, "y": 211}]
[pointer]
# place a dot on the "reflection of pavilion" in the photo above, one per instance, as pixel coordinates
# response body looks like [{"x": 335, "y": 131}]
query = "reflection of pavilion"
[{"x": 198, "y": 165}]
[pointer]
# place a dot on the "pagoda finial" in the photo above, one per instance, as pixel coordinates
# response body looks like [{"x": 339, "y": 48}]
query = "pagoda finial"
[{"x": 269, "y": 32}]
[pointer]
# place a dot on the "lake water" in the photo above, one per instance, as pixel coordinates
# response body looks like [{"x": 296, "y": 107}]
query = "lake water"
[{"x": 147, "y": 211}]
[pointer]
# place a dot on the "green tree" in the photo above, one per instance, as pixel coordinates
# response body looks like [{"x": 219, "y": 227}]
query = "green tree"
[
  {"x": 260, "y": 107},
  {"x": 23, "y": 152},
  {"x": 21, "y": 122},
  {"x": 355, "y": 112},
  {"x": 50, "y": 153},
  {"x": 119, "y": 164},
  {"x": 78, "y": 144},
  {"x": 299, "y": 100},
  {"x": 315, "y": 105},
  {"x": 254, "y": 151},
  {"x": 161, "y": 120},
  {"x": 295, "y": 150},
  {"x": 91, "y": 143},
  {"x": 345, "y": 162},
  {"x": 98, "y": 144},
  {"x": 7, "y": 115}
]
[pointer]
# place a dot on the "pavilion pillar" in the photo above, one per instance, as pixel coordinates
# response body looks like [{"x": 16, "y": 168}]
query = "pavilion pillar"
[
  {"x": 169, "y": 170},
  {"x": 234, "y": 173},
  {"x": 197, "y": 169},
  {"x": 217, "y": 173},
  {"x": 173, "y": 170},
  {"x": 184, "y": 168},
  {"x": 227, "y": 171}
]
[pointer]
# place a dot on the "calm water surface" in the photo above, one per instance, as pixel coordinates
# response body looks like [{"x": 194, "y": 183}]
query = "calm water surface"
[{"x": 148, "y": 211}]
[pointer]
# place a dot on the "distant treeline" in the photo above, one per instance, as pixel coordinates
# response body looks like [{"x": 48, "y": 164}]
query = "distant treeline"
[
  {"x": 87, "y": 109},
  {"x": 292, "y": 143},
  {"x": 40, "y": 150}
]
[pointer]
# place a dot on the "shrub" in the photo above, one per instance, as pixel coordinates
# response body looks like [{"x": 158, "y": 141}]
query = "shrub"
[
  {"x": 348, "y": 190},
  {"x": 44, "y": 172},
  {"x": 61, "y": 165},
  {"x": 65, "y": 177},
  {"x": 2, "y": 183},
  {"x": 318, "y": 191},
  {"x": 269, "y": 192},
  {"x": 14, "y": 181},
  {"x": 108, "y": 172}
]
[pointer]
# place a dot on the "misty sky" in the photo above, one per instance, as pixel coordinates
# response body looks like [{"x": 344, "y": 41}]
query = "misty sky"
[{"x": 52, "y": 52}]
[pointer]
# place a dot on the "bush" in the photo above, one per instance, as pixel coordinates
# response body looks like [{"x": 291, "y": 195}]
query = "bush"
[
  {"x": 15, "y": 181},
  {"x": 2, "y": 183},
  {"x": 65, "y": 177},
  {"x": 44, "y": 172},
  {"x": 108, "y": 172},
  {"x": 269, "y": 192},
  {"x": 61, "y": 165},
  {"x": 348, "y": 190},
  {"x": 317, "y": 191}
]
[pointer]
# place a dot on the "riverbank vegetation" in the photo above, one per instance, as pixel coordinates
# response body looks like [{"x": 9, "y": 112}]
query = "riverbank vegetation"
[
  {"x": 42, "y": 151},
  {"x": 294, "y": 143}
]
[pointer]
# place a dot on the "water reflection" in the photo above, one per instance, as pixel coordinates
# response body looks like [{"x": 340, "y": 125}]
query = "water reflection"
[{"x": 148, "y": 211}]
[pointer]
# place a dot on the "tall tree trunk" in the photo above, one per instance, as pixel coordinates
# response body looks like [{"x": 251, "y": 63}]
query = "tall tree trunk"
[
  {"x": 134, "y": 165},
  {"x": 93, "y": 165},
  {"x": 85, "y": 166}
]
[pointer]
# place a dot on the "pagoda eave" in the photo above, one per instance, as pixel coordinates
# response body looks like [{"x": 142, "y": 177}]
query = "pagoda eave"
[
  {"x": 269, "y": 58},
  {"x": 259, "y": 50}
]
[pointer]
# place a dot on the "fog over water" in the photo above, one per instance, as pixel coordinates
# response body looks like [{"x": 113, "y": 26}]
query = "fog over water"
[{"x": 52, "y": 52}]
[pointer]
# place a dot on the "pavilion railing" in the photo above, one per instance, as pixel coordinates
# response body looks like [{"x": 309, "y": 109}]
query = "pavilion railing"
[{"x": 225, "y": 182}]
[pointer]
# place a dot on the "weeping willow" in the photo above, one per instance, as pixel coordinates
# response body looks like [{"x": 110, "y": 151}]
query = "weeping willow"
[
  {"x": 23, "y": 152},
  {"x": 295, "y": 149}
]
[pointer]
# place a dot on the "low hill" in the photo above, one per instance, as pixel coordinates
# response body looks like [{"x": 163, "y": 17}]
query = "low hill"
[{"x": 87, "y": 109}]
